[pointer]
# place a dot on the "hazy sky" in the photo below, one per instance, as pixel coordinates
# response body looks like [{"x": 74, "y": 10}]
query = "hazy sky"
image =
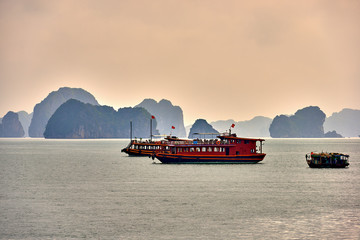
[{"x": 216, "y": 59}]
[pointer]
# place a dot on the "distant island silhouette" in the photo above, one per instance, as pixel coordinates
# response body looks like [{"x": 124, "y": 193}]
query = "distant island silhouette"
[
  {"x": 305, "y": 123},
  {"x": 97, "y": 121},
  {"x": 75, "y": 119}
]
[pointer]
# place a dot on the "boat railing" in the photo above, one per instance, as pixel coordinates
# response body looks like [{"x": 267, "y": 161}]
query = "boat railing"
[
  {"x": 200, "y": 142},
  {"x": 225, "y": 134}
]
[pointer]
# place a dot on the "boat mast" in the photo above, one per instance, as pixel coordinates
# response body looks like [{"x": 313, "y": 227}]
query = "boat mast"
[
  {"x": 232, "y": 125},
  {"x": 150, "y": 129},
  {"x": 152, "y": 117},
  {"x": 130, "y": 131}
]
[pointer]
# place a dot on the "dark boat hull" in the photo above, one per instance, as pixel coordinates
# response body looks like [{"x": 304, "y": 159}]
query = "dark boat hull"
[
  {"x": 183, "y": 159},
  {"x": 138, "y": 152},
  {"x": 313, "y": 165}
]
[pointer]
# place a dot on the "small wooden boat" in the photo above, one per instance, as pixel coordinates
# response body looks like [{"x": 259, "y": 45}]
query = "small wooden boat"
[{"x": 327, "y": 160}]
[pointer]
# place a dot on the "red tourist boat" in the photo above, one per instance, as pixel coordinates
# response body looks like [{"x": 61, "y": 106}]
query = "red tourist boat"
[
  {"x": 227, "y": 149},
  {"x": 149, "y": 147}
]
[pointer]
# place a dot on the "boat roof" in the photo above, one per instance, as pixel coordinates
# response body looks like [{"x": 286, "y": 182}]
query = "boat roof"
[
  {"x": 329, "y": 154},
  {"x": 233, "y": 136},
  {"x": 174, "y": 138},
  {"x": 230, "y": 136}
]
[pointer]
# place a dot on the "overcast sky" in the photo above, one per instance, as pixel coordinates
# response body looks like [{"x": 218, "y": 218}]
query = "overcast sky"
[{"x": 217, "y": 60}]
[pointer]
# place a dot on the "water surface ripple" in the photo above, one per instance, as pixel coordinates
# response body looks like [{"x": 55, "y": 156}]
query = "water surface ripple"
[{"x": 71, "y": 189}]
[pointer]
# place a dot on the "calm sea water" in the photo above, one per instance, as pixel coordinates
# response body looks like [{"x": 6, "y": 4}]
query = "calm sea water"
[{"x": 71, "y": 189}]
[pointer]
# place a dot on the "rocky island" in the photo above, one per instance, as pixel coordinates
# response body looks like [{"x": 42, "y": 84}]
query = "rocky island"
[
  {"x": 75, "y": 119},
  {"x": 167, "y": 115},
  {"x": 202, "y": 126},
  {"x": 305, "y": 123},
  {"x": 10, "y": 126},
  {"x": 45, "y": 109}
]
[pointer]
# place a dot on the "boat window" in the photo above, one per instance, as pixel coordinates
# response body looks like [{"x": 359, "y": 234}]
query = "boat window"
[
  {"x": 238, "y": 141},
  {"x": 216, "y": 149},
  {"x": 209, "y": 149},
  {"x": 203, "y": 149},
  {"x": 246, "y": 141},
  {"x": 198, "y": 149},
  {"x": 220, "y": 149},
  {"x": 191, "y": 149},
  {"x": 179, "y": 149}
]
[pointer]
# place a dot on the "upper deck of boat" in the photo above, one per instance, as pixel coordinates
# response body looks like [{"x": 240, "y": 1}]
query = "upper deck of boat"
[{"x": 223, "y": 140}]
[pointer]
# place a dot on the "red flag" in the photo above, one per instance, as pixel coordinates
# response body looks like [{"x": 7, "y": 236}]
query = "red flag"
[
  {"x": 172, "y": 127},
  {"x": 152, "y": 117},
  {"x": 233, "y": 125}
]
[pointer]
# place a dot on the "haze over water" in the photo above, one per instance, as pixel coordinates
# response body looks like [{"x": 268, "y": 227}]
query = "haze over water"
[{"x": 56, "y": 189}]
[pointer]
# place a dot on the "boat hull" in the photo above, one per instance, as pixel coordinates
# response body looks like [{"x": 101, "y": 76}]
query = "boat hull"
[
  {"x": 138, "y": 152},
  {"x": 196, "y": 159},
  {"x": 313, "y": 165}
]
